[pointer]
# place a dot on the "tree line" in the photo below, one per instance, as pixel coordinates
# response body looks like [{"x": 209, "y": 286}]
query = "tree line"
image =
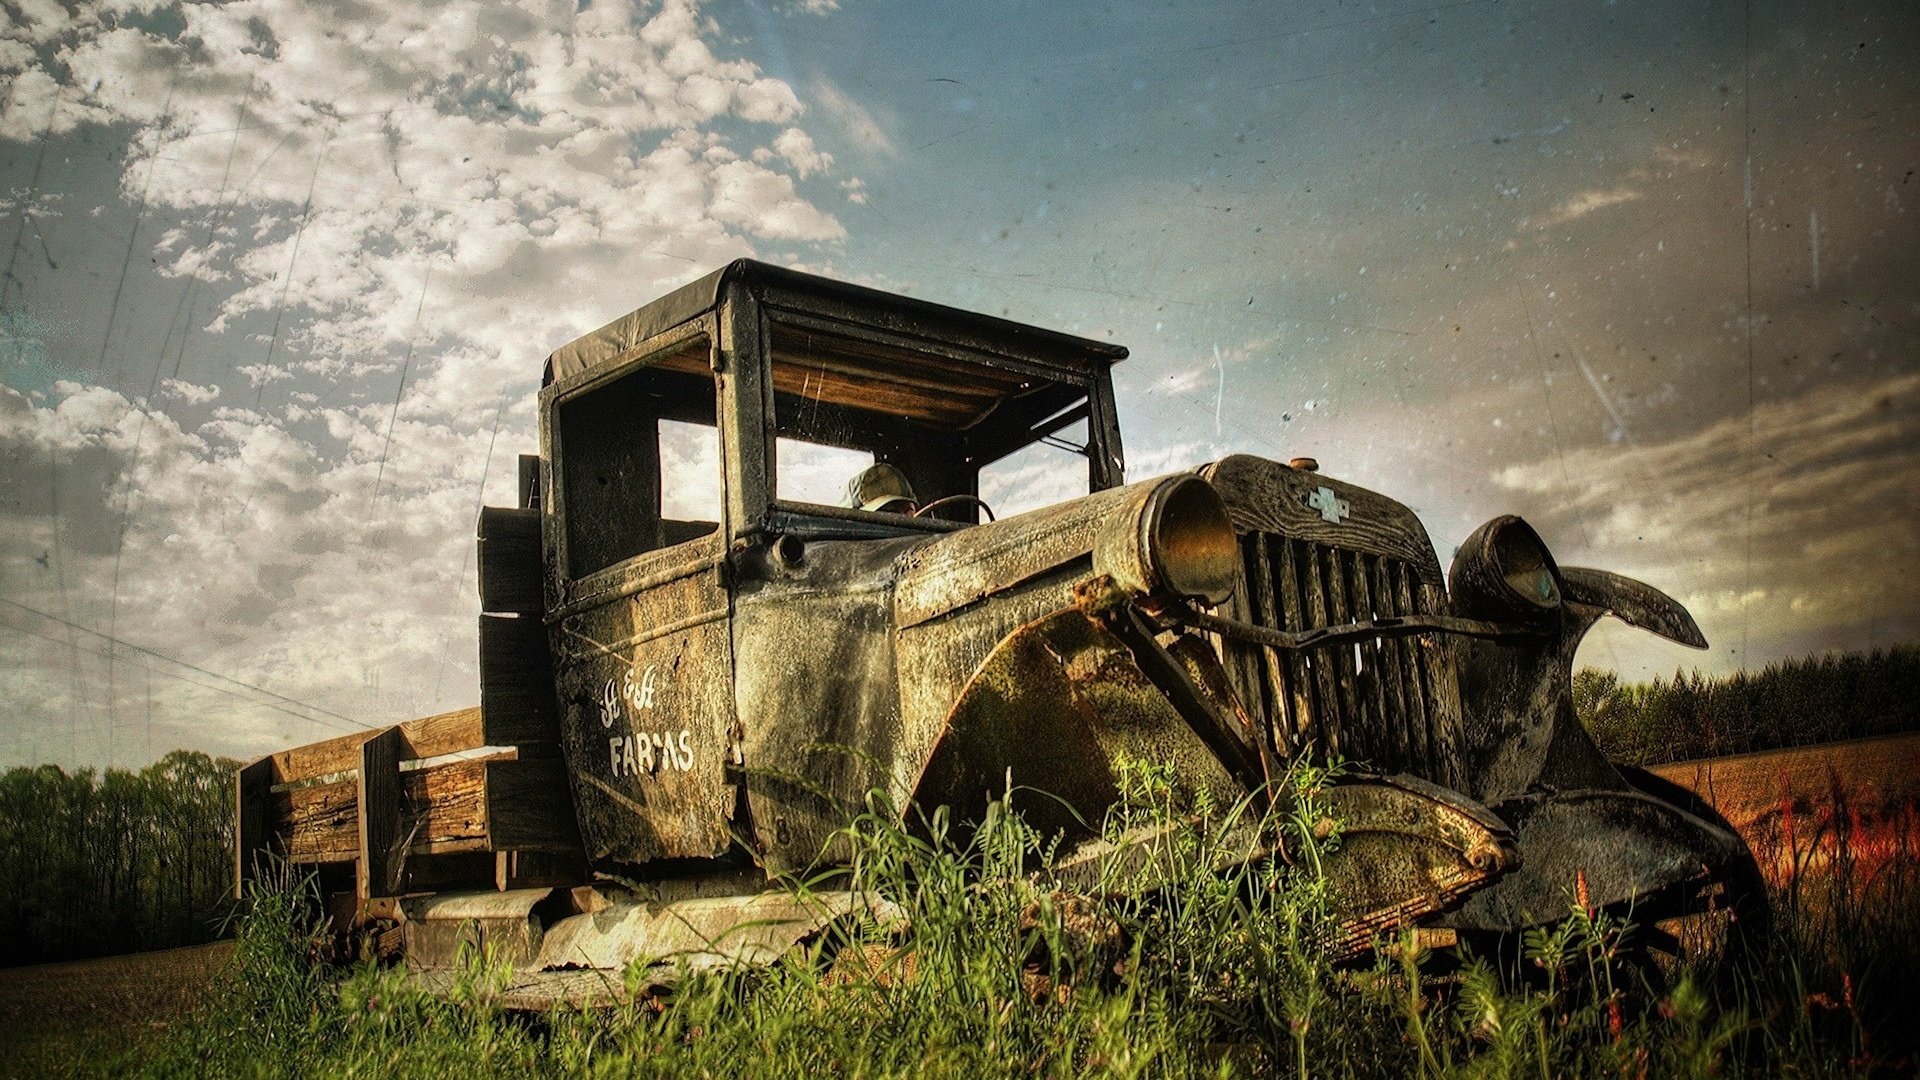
[
  {"x": 1787, "y": 703},
  {"x": 99, "y": 863}
]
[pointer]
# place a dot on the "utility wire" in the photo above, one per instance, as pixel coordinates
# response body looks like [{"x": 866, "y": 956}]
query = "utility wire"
[
  {"x": 144, "y": 651},
  {"x": 74, "y": 751}
]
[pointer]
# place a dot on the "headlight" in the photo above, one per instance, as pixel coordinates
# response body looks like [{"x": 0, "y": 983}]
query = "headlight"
[
  {"x": 1171, "y": 537},
  {"x": 1504, "y": 571}
]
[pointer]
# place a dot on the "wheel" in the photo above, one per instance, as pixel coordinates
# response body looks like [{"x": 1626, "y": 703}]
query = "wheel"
[{"x": 1733, "y": 906}]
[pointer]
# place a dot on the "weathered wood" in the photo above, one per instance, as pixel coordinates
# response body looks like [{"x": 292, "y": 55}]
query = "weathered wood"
[
  {"x": 377, "y": 793},
  {"x": 1103, "y": 426},
  {"x": 1372, "y": 686},
  {"x": 1299, "y": 679},
  {"x": 429, "y": 736},
  {"x": 487, "y": 804},
  {"x": 1271, "y": 497},
  {"x": 528, "y": 808},
  {"x": 1407, "y": 722},
  {"x": 253, "y": 820},
  {"x": 746, "y": 445},
  {"x": 511, "y": 573},
  {"x": 1443, "y": 697},
  {"x": 516, "y": 681},
  {"x": 1328, "y": 563},
  {"x": 1327, "y": 717},
  {"x": 447, "y": 733}
]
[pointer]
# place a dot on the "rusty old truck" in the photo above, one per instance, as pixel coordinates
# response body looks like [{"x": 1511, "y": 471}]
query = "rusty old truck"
[{"x": 695, "y": 655}]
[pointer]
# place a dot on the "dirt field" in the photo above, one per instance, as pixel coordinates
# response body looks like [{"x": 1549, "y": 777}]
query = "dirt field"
[
  {"x": 55, "y": 1013},
  {"x": 1798, "y": 808}
]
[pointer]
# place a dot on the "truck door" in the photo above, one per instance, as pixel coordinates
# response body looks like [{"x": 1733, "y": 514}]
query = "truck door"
[{"x": 639, "y": 627}]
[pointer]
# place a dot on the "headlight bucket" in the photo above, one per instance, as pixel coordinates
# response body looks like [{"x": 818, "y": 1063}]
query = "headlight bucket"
[
  {"x": 1504, "y": 571},
  {"x": 1171, "y": 538}
]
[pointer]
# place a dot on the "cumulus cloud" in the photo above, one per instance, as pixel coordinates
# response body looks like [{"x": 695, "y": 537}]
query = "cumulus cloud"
[
  {"x": 189, "y": 392},
  {"x": 543, "y": 167},
  {"x": 379, "y": 228}
]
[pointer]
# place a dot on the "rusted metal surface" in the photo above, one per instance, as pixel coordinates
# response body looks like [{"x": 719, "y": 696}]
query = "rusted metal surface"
[{"x": 1623, "y": 844}]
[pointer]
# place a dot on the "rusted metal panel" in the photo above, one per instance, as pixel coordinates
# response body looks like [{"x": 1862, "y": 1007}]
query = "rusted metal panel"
[
  {"x": 646, "y": 686},
  {"x": 1622, "y": 843},
  {"x": 1056, "y": 708},
  {"x": 1266, "y": 496},
  {"x": 815, "y": 688},
  {"x": 618, "y": 340}
]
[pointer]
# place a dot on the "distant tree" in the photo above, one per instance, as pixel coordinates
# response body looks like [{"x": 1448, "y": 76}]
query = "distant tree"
[
  {"x": 1787, "y": 703},
  {"x": 117, "y": 862}
]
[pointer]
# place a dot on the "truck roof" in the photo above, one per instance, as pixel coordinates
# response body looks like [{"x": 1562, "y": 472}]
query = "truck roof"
[{"x": 781, "y": 287}]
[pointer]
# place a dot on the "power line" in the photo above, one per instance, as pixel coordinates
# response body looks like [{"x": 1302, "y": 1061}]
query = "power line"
[
  {"x": 77, "y": 649},
  {"x": 143, "y": 650}
]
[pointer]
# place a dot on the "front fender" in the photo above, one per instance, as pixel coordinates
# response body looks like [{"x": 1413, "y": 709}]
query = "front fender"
[
  {"x": 1635, "y": 603},
  {"x": 1052, "y": 716},
  {"x": 1517, "y": 695}
]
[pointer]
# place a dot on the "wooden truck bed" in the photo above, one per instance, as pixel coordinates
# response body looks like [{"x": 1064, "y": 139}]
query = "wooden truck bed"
[{"x": 439, "y": 802}]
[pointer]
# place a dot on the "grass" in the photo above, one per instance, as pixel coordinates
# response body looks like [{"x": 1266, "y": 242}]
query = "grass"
[{"x": 989, "y": 972}]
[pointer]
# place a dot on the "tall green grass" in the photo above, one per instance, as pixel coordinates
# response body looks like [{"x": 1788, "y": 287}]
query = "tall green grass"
[{"x": 981, "y": 968}]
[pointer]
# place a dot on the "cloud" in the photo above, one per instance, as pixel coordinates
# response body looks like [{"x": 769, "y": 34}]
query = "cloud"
[
  {"x": 377, "y": 229},
  {"x": 1581, "y": 204},
  {"x": 855, "y": 119},
  {"x": 543, "y": 171},
  {"x": 189, "y": 392},
  {"x": 1798, "y": 526}
]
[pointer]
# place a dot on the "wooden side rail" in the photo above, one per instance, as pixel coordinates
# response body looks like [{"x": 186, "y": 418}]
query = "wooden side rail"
[{"x": 355, "y": 799}]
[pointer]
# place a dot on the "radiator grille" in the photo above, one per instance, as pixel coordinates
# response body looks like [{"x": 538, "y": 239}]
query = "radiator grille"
[{"x": 1388, "y": 705}]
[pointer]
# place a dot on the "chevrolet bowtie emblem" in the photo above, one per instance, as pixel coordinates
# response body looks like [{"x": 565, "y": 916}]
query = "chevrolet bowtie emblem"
[{"x": 1331, "y": 508}]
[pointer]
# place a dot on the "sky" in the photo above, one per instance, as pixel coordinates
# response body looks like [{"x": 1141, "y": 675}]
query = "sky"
[{"x": 280, "y": 278}]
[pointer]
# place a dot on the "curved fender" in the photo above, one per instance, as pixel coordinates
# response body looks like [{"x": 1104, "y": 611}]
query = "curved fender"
[
  {"x": 1624, "y": 844},
  {"x": 1050, "y": 717},
  {"x": 1635, "y": 603}
]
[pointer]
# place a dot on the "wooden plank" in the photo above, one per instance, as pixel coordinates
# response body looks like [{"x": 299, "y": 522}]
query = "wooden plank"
[
  {"x": 479, "y": 805},
  {"x": 746, "y": 399},
  {"x": 1406, "y": 677},
  {"x": 511, "y": 573},
  {"x": 321, "y": 823},
  {"x": 1110, "y": 469},
  {"x": 252, "y": 822},
  {"x": 378, "y": 798},
  {"x": 445, "y": 733},
  {"x": 1299, "y": 681},
  {"x": 429, "y": 736},
  {"x": 530, "y": 807},
  {"x": 1443, "y": 695},
  {"x": 1313, "y": 596},
  {"x": 516, "y": 681},
  {"x": 1264, "y": 599},
  {"x": 1361, "y": 744},
  {"x": 1371, "y": 685}
]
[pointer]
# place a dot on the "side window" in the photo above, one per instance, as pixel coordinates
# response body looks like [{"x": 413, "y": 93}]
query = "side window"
[
  {"x": 689, "y": 477},
  {"x": 639, "y": 462},
  {"x": 811, "y": 472},
  {"x": 1039, "y": 474}
]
